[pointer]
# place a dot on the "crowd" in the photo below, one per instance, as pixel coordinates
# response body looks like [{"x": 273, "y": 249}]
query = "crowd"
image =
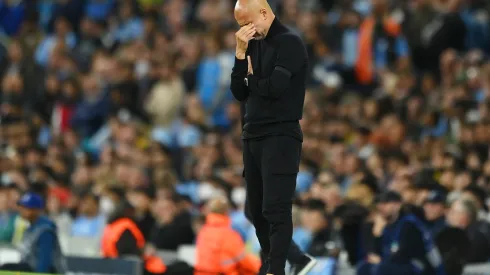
[{"x": 103, "y": 101}]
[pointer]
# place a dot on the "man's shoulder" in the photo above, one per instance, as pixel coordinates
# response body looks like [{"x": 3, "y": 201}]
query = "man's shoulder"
[{"x": 290, "y": 37}]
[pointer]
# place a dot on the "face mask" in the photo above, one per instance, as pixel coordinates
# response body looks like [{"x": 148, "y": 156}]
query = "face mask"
[
  {"x": 206, "y": 191},
  {"x": 107, "y": 206},
  {"x": 238, "y": 195}
]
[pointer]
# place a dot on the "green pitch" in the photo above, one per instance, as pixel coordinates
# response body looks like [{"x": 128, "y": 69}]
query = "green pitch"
[{"x": 20, "y": 273}]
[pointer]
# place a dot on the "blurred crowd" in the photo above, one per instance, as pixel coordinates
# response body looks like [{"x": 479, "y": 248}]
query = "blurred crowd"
[{"x": 103, "y": 101}]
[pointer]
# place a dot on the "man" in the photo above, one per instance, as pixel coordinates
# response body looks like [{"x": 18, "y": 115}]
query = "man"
[
  {"x": 402, "y": 243},
  {"x": 220, "y": 249},
  {"x": 40, "y": 250},
  {"x": 269, "y": 78},
  {"x": 435, "y": 210},
  {"x": 463, "y": 214},
  {"x": 89, "y": 222},
  {"x": 314, "y": 219},
  {"x": 173, "y": 226}
]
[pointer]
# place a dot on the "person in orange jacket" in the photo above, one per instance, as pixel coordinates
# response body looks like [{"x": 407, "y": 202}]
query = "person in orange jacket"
[
  {"x": 122, "y": 237},
  {"x": 220, "y": 250}
]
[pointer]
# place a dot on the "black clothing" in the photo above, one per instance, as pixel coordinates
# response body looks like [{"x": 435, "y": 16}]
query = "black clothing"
[
  {"x": 127, "y": 244},
  {"x": 318, "y": 245},
  {"x": 272, "y": 105},
  {"x": 479, "y": 236},
  {"x": 276, "y": 90},
  {"x": 271, "y": 165},
  {"x": 444, "y": 31},
  {"x": 145, "y": 224},
  {"x": 171, "y": 236}
]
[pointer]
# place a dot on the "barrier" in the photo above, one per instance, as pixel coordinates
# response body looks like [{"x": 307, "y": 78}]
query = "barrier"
[
  {"x": 128, "y": 266},
  {"x": 85, "y": 265}
]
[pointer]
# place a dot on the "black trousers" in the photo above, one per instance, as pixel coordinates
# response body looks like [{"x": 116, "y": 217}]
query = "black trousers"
[{"x": 271, "y": 165}]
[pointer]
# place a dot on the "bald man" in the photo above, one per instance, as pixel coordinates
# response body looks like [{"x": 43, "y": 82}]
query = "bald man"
[{"x": 269, "y": 80}]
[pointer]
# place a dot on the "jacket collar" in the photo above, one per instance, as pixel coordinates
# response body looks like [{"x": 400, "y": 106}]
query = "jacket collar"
[
  {"x": 218, "y": 220},
  {"x": 276, "y": 28}
]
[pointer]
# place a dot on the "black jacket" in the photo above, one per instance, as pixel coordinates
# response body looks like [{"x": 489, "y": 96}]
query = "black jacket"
[{"x": 276, "y": 90}]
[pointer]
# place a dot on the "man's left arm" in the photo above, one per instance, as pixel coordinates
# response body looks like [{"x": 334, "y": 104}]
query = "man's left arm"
[
  {"x": 291, "y": 57},
  {"x": 45, "y": 252}
]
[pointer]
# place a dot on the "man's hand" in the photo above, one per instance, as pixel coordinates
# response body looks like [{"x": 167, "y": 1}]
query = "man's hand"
[
  {"x": 379, "y": 225},
  {"x": 245, "y": 34},
  {"x": 373, "y": 259},
  {"x": 250, "y": 67}
]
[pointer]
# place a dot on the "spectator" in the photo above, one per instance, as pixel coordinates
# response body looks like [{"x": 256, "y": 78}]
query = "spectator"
[
  {"x": 6, "y": 217},
  {"x": 404, "y": 241},
  {"x": 314, "y": 219},
  {"x": 434, "y": 209},
  {"x": 173, "y": 224},
  {"x": 89, "y": 222},
  {"x": 463, "y": 214}
]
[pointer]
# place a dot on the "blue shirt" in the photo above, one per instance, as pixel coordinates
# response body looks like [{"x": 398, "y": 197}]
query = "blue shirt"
[{"x": 88, "y": 227}]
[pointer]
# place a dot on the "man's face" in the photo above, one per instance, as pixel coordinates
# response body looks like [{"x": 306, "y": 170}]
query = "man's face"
[
  {"x": 27, "y": 214},
  {"x": 257, "y": 18},
  {"x": 388, "y": 209},
  {"x": 433, "y": 211},
  {"x": 456, "y": 216}
]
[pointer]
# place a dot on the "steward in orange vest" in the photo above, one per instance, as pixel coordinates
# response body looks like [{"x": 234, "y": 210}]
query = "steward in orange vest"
[
  {"x": 123, "y": 238},
  {"x": 220, "y": 250}
]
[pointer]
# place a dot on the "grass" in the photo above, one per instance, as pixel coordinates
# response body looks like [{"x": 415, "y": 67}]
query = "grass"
[{"x": 20, "y": 273}]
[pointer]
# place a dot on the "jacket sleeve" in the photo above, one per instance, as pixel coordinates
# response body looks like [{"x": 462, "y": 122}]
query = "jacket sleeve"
[
  {"x": 411, "y": 245},
  {"x": 45, "y": 252},
  {"x": 291, "y": 57},
  {"x": 238, "y": 75},
  {"x": 234, "y": 256},
  {"x": 127, "y": 244}
]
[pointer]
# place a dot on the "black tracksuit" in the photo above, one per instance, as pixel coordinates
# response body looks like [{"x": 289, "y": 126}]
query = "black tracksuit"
[{"x": 272, "y": 135}]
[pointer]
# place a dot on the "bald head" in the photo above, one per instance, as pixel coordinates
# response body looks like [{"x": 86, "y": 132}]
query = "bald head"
[
  {"x": 218, "y": 205},
  {"x": 256, "y": 12}
]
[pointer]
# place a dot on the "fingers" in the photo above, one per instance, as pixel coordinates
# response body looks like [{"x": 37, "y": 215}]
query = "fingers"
[{"x": 246, "y": 32}]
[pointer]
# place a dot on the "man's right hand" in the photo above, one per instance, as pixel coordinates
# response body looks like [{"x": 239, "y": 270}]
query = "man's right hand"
[{"x": 245, "y": 34}]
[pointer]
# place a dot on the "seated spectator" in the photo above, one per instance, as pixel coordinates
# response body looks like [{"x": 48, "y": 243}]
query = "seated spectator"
[
  {"x": 220, "y": 249},
  {"x": 314, "y": 219},
  {"x": 402, "y": 245},
  {"x": 141, "y": 199},
  {"x": 435, "y": 210},
  {"x": 64, "y": 36},
  {"x": 7, "y": 218},
  {"x": 173, "y": 224},
  {"x": 463, "y": 214},
  {"x": 89, "y": 222}
]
